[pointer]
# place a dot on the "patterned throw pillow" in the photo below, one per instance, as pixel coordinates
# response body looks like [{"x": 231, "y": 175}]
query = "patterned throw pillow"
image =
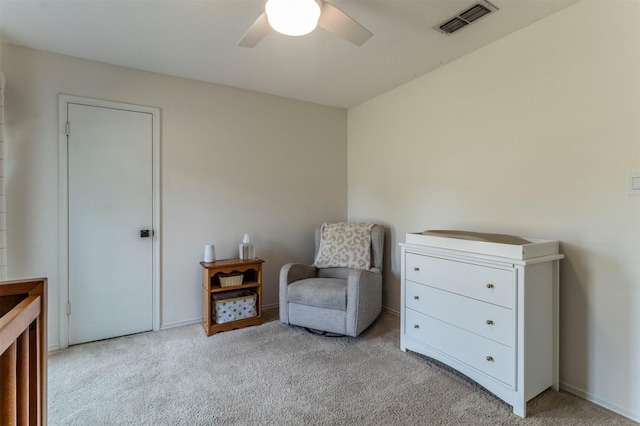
[{"x": 344, "y": 245}]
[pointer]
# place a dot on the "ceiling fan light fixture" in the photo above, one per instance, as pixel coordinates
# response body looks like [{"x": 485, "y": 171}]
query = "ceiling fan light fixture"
[{"x": 293, "y": 17}]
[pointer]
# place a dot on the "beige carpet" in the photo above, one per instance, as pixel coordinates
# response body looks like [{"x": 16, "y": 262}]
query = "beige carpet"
[{"x": 279, "y": 375}]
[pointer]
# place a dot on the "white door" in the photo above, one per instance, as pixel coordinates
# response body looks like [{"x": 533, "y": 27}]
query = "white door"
[{"x": 110, "y": 196}]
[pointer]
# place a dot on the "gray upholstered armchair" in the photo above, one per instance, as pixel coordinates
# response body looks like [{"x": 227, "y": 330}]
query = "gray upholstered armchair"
[{"x": 338, "y": 300}]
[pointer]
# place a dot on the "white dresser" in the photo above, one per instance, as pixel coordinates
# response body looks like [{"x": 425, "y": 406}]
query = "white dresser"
[{"x": 489, "y": 310}]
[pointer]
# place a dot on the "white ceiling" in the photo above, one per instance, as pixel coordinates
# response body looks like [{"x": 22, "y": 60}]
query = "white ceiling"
[{"x": 198, "y": 40}]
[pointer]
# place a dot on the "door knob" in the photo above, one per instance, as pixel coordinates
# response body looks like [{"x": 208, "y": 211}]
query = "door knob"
[{"x": 145, "y": 233}]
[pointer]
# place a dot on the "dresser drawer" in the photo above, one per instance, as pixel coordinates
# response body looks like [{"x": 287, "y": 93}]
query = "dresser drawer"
[
  {"x": 485, "y": 355},
  {"x": 484, "y": 283},
  {"x": 490, "y": 321}
]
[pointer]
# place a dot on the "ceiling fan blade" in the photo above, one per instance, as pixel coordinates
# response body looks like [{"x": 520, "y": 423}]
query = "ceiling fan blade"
[
  {"x": 336, "y": 21},
  {"x": 256, "y": 32}
]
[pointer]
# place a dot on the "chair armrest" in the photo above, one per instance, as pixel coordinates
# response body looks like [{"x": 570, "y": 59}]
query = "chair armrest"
[
  {"x": 295, "y": 272},
  {"x": 364, "y": 299},
  {"x": 289, "y": 273},
  {"x": 364, "y": 275}
]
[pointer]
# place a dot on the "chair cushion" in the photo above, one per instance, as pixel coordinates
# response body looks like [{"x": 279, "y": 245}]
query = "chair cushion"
[
  {"x": 345, "y": 245},
  {"x": 328, "y": 293}
]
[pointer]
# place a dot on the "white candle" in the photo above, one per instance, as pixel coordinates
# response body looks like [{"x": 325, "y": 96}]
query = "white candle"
[{"x": 209, "y": 253}]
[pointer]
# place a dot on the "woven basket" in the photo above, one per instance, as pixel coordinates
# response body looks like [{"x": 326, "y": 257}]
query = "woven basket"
[{"x": 231, "y": 280}]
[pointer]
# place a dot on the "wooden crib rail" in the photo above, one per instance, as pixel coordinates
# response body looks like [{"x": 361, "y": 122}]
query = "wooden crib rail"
[{"x": 23, "y": 349}]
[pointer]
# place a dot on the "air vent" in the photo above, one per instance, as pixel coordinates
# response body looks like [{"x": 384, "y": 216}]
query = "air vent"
[
  {"x": 466, "y": 17},
  {"x": 453, "y": 25},
  {"x": 476, "y": 12}
]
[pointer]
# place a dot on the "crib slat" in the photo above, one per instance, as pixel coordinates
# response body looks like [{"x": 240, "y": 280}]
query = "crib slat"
[
  {"x": 22, "y": 378},
  {"x": 34, "y": 396},
  {"x": 8, "y": 386}
]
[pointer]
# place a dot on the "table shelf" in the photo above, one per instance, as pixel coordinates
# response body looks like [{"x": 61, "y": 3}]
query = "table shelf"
[{"x": 251, "y": 269}]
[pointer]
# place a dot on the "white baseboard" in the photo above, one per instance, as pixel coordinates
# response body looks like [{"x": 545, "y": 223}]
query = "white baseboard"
[
  {"x": 180, "y": 323},
  {"x": 271, "y": 306},
  {"x": 199, "y": 320},
  {"x": 598, "y": 401},
  {"x": 391, "y": 311},
  {"x": 56, "y": 346}
]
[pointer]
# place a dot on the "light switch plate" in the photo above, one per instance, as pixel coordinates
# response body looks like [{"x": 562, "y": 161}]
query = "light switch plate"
[{"x": 633, "y": 184}]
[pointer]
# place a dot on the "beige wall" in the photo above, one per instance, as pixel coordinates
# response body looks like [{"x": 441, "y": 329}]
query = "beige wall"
[
  {"x": 532, "y": 135},
  {"x": 233, "y": 161}
]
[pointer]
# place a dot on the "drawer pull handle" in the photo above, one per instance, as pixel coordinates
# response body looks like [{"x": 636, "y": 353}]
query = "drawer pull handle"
[
  {"x": 416, "y": 326},
  {"x": 416, "y": 297},
  {"x": 489, "y": 322},
  {"x": 415, "y": 268},
  {"x": 489, "y": 285},
  {"x": 489, "y": 358}
]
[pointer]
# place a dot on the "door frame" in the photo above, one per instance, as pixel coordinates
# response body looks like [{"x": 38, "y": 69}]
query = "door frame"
[{"x": 63, "y": 206}]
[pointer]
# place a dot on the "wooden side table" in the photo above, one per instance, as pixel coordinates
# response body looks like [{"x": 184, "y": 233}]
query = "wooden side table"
[{"x": 251, "y": 271}]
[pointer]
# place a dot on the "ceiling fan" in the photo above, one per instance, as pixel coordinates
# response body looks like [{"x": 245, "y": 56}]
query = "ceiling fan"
[{"x": 300, "y": 17}]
